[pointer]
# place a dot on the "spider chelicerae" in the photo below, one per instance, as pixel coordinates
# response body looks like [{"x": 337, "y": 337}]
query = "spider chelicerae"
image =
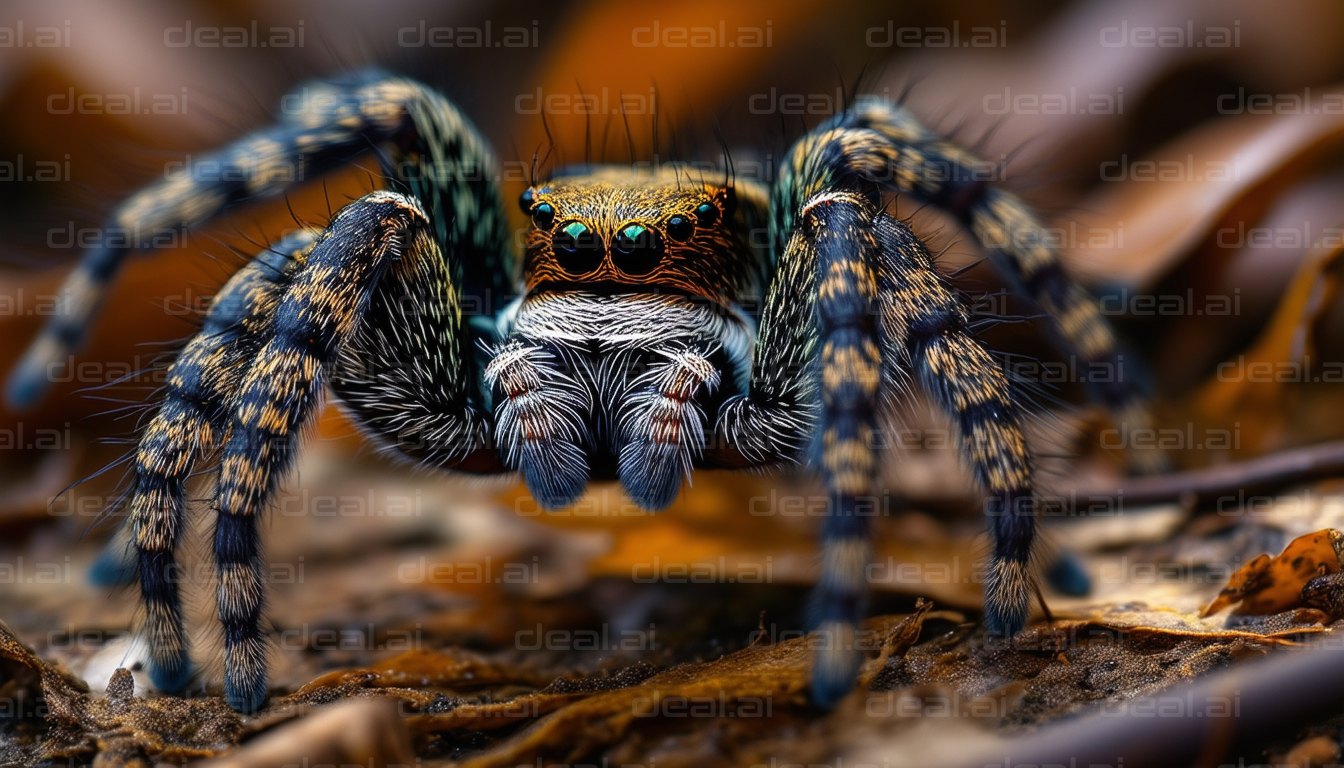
[{"x": 652, "y": 335}]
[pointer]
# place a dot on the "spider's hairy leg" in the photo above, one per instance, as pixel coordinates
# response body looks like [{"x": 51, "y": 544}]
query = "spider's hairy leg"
[
  {"x": 541, "y": 417},
  {"x": 188, "y": 424},
  {"x": 838, "y": 227},
  {"x": 1018, "y": 244},
  {"x": 317, "y": 314},
  {"x": 925, "y": 330},
  {"x": 426, "y": 149},
  {"x": 663, "y": 428},
  {"x": 819, "y": 318},
  {"x": 878, "y": 143}
]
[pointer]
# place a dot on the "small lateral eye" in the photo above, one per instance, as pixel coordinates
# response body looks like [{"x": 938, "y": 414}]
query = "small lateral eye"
[
  {"x": 525, "y": 200},
  {"x": 542, "y": 215},
  {"x": 706, "y": 214},
  {"x": 680, "y": 228}
]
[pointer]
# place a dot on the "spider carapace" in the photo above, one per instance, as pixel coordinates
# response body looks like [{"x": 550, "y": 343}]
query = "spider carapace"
[{"x": 662, "y": 322}]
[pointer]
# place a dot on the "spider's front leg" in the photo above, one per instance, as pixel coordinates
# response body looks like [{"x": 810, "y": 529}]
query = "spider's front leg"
[
  {"x": 855, "y": 307},
  {"x": 192, "y": 416},
  {"x": 883, "y": 145},
  {"x": 382, "y": 239},
  {"x": 426, "y": 148},
  {"x": 925, "y": 329}
]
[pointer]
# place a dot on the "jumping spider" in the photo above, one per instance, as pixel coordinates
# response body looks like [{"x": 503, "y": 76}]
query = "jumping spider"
[{"x": 628, "y": 356}]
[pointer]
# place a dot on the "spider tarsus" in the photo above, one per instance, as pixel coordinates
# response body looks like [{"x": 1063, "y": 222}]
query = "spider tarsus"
[
  {"x": 835, "y": 665},
  {"x": 114, "y": 566}
]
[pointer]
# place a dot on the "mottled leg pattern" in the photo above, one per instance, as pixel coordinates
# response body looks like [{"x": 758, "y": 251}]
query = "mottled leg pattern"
[
  {"x": 925, "y": 329},
  {"x": 1018, "y": 244},
  {"x": 188, "y": 424},
  {"x": 280, "y": 392},
  {"x": 661, "y": 427},
  {"x": 881, "y": 145},
  {"x": 541, "y": 417},
  {"x": 818, "y": 340},
  {"x": 838, "y": 228},
  {"x": 427, "y": 149},
  {"x": 879, "y": 311}
]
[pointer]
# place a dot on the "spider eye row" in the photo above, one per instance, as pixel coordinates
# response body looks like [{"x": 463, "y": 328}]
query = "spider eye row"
[
  {"x": 679, "y": 227},
  {"x": 638, "y": 248},
  {"x": 579, "y": 250}
]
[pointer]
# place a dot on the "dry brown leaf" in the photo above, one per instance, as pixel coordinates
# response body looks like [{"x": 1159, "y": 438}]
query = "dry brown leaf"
[
  {"x": 1268, "y": 585},
  {"x": 1254, "y": 399},
  {"x": 1230, "y": 171}
]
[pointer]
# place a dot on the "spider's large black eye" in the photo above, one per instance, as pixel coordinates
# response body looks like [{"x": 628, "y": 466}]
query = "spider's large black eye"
[
  {"x": 706, "y": 214},
  {"x": 680, "y": 228},
  {"x": 542, "y": 215},
  {"x": 639, "y": 249},
  {"x": 577, "y": 248}
]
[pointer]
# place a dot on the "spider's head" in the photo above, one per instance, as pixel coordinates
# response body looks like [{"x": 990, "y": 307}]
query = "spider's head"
[{"x": 612, "y": 231}]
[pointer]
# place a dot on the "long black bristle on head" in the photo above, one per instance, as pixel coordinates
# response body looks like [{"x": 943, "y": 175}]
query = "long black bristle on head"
[
  {"x": 629, "y": 137},
  {"x": 606, "y": 128},
  {"x": 654, "y": 126},
  {"x": 587, "y": 130}
]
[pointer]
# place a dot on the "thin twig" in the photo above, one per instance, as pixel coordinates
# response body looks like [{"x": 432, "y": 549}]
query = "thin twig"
[{"x": 1265, "y": 474}]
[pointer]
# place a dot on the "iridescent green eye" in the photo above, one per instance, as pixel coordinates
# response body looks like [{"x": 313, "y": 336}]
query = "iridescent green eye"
[
  {"x": 543, "y": 215},
  {"x": 639, "y": 249},
  {"x": 577, "y": 248},
  {"x": 680, "y": 228},
  {"x": 630, "y": 238},
  {"x": 706, "y": 214}
]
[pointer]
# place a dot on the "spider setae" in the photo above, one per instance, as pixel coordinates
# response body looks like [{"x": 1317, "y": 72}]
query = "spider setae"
[{"x": 628, "y": 355}]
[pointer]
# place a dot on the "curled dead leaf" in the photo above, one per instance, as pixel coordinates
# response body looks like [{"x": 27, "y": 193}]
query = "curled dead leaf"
[{"x": 1268, "y": 585}]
